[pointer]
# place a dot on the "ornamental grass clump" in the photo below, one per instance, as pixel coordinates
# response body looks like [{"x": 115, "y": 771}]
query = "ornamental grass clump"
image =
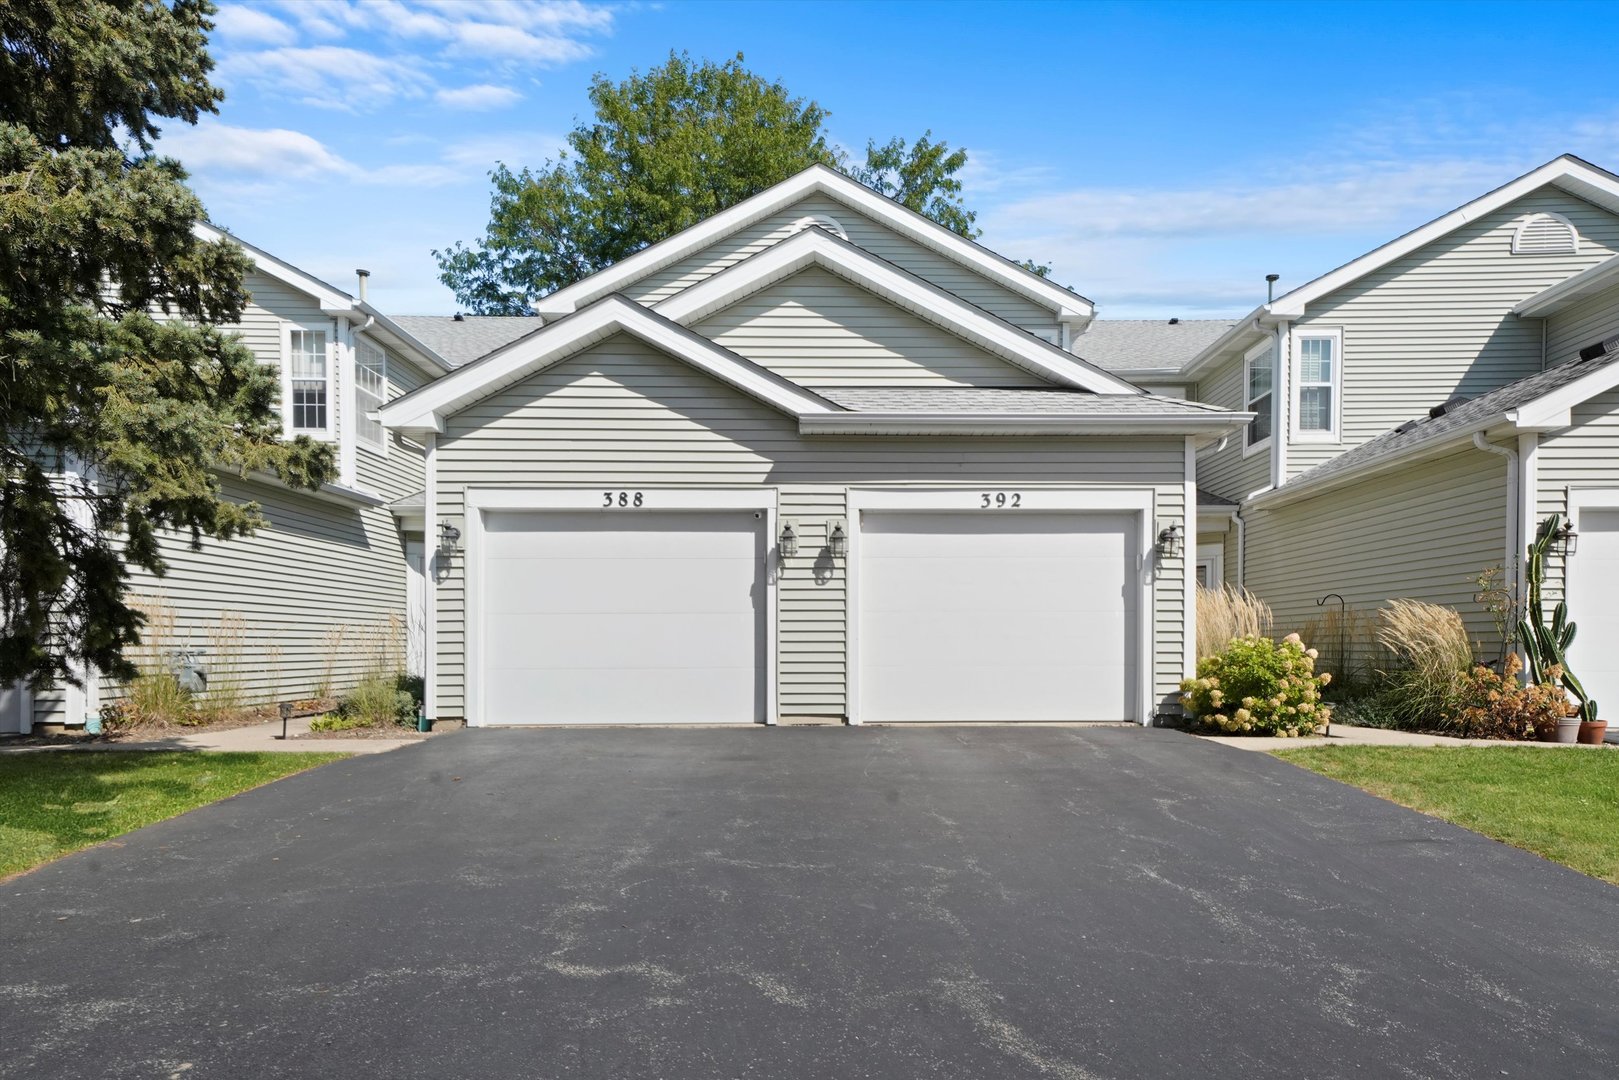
[
  {"x": 1434, "y": 656},
  {"x": 1226, "y": 614},
  {"x": 1257, "y": 686}
]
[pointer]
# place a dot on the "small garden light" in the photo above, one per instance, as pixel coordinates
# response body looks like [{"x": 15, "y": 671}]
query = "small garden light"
[
  {"x": 788, "y": 541},
  {"x": 1169, "y": 540},
  {"x": 837, "y": 540},
  {"x": 286, "y": 714}
]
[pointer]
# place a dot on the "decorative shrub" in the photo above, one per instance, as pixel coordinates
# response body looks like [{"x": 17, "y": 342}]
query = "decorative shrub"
[
  {"x": 1228, "y": 613},
  {"x": 1257, "y": 686},
  {"x": 1495, "y": 706}
]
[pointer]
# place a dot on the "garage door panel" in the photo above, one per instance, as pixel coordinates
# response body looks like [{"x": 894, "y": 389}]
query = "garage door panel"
[
  {"x": 552, "y": 586},
  {"x": 625, "y": 695},
  {"x": 605, "y": 641},
  {"x": 1594, "y": 605},
  {"x": 997, "y": 616},
  {"x": 638, "y": 617}
]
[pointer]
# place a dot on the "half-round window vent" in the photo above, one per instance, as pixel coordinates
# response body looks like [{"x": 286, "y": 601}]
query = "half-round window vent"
[
  {"x": 1546, "y": 234},
  {"x": 830, "y": 224}
]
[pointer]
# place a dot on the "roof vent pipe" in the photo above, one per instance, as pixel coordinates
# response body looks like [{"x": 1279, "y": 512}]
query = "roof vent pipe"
[
  {"x": 1270, "y": 286},
  {"x": 365, "y": 277}
]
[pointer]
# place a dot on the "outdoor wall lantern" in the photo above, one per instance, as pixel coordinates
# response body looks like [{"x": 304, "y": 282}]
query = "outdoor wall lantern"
[
  {"x": 837, "y": 539},
  {"x": 788, "y": 541},
  {"x": 448, "y": 537},
  {"x": 1169, "y": 541},
  {"x": 1568, "y": 539}
]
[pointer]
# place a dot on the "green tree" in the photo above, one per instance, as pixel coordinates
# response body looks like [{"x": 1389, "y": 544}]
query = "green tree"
[
  {"x": 119, "y": 400},
  {"x": 664, "y": 150}
]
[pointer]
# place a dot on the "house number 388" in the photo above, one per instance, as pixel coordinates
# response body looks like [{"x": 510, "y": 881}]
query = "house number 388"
[
  {"x": 1001, "y": 500},
  {"x": 621, "y": 498}
]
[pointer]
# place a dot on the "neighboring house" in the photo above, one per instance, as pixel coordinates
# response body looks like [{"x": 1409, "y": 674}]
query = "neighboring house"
[
  {"x": 816, "y": 456},
  {"x": 1422, "y": 408},
  {"x": 329, "y": 581}
]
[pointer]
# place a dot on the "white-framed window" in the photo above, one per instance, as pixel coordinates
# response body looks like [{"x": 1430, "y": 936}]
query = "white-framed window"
[
  {"x": 307, "y": 403},
  {"x": 1210, "y": 566},
  {"x": 1546, "y": 234},
  {"x": 1318, "y": 377},
  {"x": 1259, "y": 381},
  {"x": 370, "y": 394}
]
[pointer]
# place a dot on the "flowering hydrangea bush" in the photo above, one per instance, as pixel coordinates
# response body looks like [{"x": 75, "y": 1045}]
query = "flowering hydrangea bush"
[{"x": 1257, "y": 686}]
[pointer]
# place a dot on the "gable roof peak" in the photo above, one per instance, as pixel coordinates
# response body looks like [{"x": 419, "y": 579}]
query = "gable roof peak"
[{"x": 1067, "y": 306}]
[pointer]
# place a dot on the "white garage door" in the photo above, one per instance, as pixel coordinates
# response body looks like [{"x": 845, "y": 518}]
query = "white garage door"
[
  {"x": 605, "y": 618},
  {"x": 1594, "y": 605},
  {"x": 995, "y": 617}
]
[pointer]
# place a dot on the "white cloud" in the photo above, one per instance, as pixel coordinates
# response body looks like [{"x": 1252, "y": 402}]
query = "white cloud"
[
  {"x": 236, "y": 22},
  {"x": 271, "y": 154},
  {"x": 328, "y": 76},
  {"x": 496, "y": 40},
  {"x": 514, "y": 148},
  {"x": 477, "y": 97}
]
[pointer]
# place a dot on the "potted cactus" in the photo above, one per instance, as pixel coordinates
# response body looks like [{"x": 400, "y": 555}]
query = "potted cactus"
[{"x": 1546, "y": 643}]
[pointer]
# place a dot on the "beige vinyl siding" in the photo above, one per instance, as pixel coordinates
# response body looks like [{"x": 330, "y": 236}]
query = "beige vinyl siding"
[
  {"x": 317, "y": 569},
  {"x": 623, "y": 415},
  {"x": 1423, "y": 532},
  {"x": 1592, "y": 320},
  {"x": 1583, "y": 455},
  {"x": 1438, "y": 322},
  {"x": 1228, "y": 473},
  {"x": 818, "y": 329},
  {"x": 401, "y": 471},
  {"x": 864, "y": 233}
]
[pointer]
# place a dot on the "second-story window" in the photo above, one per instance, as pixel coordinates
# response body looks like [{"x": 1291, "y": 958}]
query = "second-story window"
[
  {"x": 370, "y": 394},
  {"x": 1261, "y": 372},
  {"x": 1317, "y": 382},
  {"x": 309, "y": 383}
]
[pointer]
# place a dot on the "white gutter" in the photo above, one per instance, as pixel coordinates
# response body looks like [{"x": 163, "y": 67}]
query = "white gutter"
[{"x": 875, "y": 423}]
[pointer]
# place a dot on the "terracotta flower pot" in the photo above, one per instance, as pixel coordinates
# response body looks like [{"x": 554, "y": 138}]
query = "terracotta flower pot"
[
  {"x": 1591, "y": 732},
  {"x": 1568, "y": 730}
]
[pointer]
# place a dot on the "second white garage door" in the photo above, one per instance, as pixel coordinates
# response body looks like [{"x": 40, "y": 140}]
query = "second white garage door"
[
  {"x": 1593, "y": 594},
  {"x": 997, "y": 617},
  {"x": 643, "y": 617}
]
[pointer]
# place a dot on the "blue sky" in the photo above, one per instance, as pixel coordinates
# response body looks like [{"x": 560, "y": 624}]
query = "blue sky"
[{"x": 1162, "y": 157}]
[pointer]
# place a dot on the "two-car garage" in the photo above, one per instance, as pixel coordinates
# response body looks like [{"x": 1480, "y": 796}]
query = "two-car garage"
[{"x": 663, "y": 606}]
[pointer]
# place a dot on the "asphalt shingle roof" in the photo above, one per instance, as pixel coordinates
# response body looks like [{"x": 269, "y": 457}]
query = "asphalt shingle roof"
[
  {"x": 1126, "y": 345},
  {"x": 461, "y": 341},
  {"x": 945, "y": 400},
  {"x": 1457, "y": 416}
]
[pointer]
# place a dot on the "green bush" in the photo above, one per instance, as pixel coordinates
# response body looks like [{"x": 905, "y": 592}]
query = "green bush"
[
  {"x": 334, "y": 722},
  {"x": 378, "y": 700},
  {"x": 1257, "y": 686}
]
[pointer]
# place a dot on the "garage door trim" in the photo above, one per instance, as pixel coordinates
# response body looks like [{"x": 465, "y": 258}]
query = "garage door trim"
[
  {"x": 989, "y": 500},
  {"x": 480, "y": 501}
]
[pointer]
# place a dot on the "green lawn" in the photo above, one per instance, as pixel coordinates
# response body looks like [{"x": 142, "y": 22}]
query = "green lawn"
[
  {"x": 1563, "y": 804},
  {"x": 54, "y": 802}
]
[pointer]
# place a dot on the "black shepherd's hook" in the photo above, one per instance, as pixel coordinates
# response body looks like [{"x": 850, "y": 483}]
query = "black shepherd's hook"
[{"x": 1343, "y": 645}]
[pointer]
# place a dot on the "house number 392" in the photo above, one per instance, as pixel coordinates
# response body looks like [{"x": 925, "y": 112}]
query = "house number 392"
[
  {"x": 1001, "y": 500},
  {"x": 621, "y": 498}
]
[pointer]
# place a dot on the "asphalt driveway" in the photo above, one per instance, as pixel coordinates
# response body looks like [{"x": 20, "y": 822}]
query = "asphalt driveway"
[{"x": 808, "y": 902}]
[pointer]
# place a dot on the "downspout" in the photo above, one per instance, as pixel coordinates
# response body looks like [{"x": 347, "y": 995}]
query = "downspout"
[
  {"x": 1511, "y": 568},
  {"x": 1242, "y": 534}
]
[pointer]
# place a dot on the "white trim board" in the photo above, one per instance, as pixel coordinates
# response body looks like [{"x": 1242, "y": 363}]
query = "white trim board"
[
  {"x": 1069, "y": 307},
  {"x": 478, "y": 501},
  {"x": 1138, "y": 501},
  {"x": 818, "y": 248}
]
